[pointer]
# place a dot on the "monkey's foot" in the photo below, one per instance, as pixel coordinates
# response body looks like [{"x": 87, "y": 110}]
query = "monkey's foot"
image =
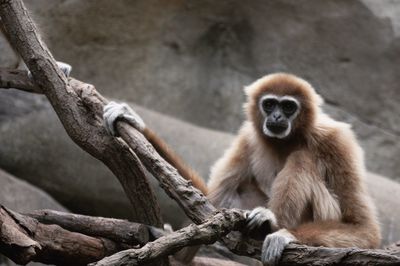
[
  {"x": 273, "y": 246},
  {"x": 259, "y": 216},
  {"x": 113, "y": 112},
  {"x": 64, "y": 67}
]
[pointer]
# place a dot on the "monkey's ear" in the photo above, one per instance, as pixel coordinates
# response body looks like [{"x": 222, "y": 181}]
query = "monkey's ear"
[{"x": 247, "y": 89}]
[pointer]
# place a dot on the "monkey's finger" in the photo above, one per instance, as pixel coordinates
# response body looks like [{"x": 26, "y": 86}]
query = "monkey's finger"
[
  {"x": 109, "y": 106},
  {"x": 265, "y": 250},
  {"x": 257, "y": 221},
  {"x": 135, "y": 120},
  {"x": 255, "y": 211},
  {"x": 65, "y": 68},
  {"x": 109, "y": 120}
]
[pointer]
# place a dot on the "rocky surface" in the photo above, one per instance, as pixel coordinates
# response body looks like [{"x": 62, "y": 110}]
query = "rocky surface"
[
  {"x": 18, "y": 195},
  {"x": 191, "y": 59}
]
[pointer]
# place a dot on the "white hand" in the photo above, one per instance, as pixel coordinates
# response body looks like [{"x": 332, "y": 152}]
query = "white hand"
[
  {"x": 273, "y": 246},
  {"x": 258, "y": 216},
  {"x": 114, "y": 111}
]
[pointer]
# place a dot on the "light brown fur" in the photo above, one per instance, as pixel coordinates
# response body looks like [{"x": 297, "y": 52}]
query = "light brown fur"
[{"x": 311, "y": 180}]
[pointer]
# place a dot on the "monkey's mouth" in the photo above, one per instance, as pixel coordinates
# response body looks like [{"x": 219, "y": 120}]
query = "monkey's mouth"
[{"x": 276, "y": 127}]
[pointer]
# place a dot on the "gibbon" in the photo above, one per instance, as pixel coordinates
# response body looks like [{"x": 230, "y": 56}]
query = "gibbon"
[{"x": 298, "y": 170}]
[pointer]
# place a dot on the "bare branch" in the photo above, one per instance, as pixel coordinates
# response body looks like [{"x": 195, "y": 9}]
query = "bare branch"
[
  {"x": 79, "y": 108},
  {"x": 17, "y": 79},
  {"x": 23, "y": 239},
  {"x": 207, "y": 233},
  {"x": 315, "y": 256},
  {"x": 121, "y": 231}
]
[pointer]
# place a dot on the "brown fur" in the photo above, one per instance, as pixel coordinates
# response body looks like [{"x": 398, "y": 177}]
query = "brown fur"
[
  {"x": 170, "y": 156},
  {"x": 311, "y": 180}
]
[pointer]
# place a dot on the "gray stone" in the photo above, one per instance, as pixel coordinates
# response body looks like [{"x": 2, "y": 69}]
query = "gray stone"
[
  {"x": 191, "y": 59},
  {"x": 7, "y": 57},
  {"x": 386, "y": 194},
  {"x": 381, "y": 147},
  {"x": 21, "y": 196}
]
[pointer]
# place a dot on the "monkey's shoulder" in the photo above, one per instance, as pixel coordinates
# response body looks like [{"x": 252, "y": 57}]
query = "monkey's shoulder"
[{"x": 335, "y": 140}]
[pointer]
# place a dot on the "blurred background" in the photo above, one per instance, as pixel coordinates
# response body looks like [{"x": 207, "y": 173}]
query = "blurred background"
[{"x": 183, "y": 66}]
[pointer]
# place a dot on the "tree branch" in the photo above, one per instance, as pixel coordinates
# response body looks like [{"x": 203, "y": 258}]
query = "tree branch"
[
  {"x": 207, "y": 233},
  {"x": 120, "y": 231},
  {"x": 23, "y": 239},
  {"x": 18, "y": 79},
  {"x": 79, "y": 108}
]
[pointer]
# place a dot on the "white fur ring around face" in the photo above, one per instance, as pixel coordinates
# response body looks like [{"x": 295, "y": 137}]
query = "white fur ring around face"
[
  {"x": 273, "y": 246},
  {"x": 114, "y": 111}
]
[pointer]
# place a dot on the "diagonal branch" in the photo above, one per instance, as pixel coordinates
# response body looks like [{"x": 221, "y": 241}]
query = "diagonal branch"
[
  {"x": 79, "y": 108},
  {"x": 207, "y": 233}
]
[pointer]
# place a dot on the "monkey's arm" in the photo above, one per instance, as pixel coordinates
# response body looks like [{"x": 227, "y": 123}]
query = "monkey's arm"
[
  {"x": 357, "y": 227},
  {"x": 115, "y": 111},
  {"x": 344, "y": 220},
  {"x": 292, "y": 194}
]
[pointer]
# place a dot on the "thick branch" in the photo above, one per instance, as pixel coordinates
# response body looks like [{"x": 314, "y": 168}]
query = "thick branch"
[
  {"x": 206, "y": 233},
  {"x": 24, "y": 239},
  {"x": 121, "y": 231},
  {"x": 315, "y": 256}
]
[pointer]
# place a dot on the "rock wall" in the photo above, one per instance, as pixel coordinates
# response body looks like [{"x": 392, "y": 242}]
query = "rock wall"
[{"x": 192, "y": 59}]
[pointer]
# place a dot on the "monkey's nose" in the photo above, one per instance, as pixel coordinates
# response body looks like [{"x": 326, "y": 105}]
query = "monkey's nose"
[{"x": 277, "y": 117}]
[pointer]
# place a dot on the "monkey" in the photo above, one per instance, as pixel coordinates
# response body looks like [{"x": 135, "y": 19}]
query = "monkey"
[{"x": 297, "y": 169}]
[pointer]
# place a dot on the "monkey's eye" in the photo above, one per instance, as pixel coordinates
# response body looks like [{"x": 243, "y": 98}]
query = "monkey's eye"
[
  {"x": 269, "y": 105},
  {"x": 289, "y": 107}
]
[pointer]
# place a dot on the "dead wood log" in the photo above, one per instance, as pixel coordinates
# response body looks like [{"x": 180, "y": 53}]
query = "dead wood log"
[
  {"x": 24, "y": 239},
  {"x": 121, "y": 231}
]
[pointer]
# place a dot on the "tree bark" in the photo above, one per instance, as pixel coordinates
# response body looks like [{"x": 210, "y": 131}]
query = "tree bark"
[{"x": 120, "y": 231}]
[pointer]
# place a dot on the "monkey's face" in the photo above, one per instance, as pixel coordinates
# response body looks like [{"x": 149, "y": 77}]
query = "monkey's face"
[{"x": 278, "y": 112}]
